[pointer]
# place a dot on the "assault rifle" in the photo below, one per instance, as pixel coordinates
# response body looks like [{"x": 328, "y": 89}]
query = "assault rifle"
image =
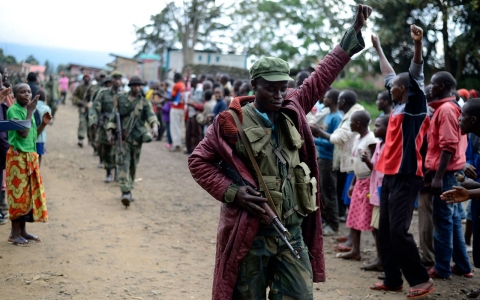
[
  {"x": 119, "y": 130},
  {"x": 269, "y": 217}
]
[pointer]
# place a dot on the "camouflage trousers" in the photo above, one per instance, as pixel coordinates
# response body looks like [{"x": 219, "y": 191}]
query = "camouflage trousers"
[
  {"x": 105, "y": 151},
  {"x": 126, "y": 172},
  {"x": 82, "y": 123},
  {"x": 269, "y": 263}
]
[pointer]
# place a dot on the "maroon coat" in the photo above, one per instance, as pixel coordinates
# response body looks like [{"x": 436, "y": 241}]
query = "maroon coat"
[{"x": 237, "y": 228}]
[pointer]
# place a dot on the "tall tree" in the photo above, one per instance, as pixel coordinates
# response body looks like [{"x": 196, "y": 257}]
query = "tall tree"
[
  {"x": 7, "y": 59},
  {"x": 299, "y": 31},
  {"x": 31, "y": 60},
  {"x": 449, "y": 25},
  {"x": 190, "y": 24}
]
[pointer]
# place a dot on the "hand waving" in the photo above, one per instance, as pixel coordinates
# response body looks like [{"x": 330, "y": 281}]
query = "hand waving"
[
  {"x": 47, "y": 118},
  {"x": 4, "y": 94},
  {"x": 416, "y": 33},
  {"x": 363, "y": 12},
  {"x": 32, "y": 105}
]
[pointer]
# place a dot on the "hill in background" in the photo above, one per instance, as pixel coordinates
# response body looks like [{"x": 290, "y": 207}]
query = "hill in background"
[{"x": 58, "y": 55}]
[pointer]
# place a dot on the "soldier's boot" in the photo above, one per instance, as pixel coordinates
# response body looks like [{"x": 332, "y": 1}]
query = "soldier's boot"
[
  {"x": 126, "y": 199},
  {"x": 80, "y": 143},
  {"x": 109, "y": 177},
  {"x": 3, "y": 201}
]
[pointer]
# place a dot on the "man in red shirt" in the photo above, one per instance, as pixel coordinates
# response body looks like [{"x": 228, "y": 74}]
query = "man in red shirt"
[
  {"x": 177, "y": 113},
  {"x": 445, "y": 157}
]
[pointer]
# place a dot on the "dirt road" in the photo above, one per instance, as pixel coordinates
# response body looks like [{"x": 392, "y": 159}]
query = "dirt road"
[{"x": 162, "y": 247}]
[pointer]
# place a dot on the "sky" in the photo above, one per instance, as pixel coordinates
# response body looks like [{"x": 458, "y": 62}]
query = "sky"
[{"x": 99, "y": 25}]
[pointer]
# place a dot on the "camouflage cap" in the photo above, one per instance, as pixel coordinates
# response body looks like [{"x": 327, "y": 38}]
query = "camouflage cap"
[
  {"x": 271, "y": 69},
  {"x": 116, "y": 74}
]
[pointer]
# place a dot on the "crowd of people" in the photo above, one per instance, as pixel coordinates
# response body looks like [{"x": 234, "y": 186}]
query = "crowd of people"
[{"x": 295, "y": 146}]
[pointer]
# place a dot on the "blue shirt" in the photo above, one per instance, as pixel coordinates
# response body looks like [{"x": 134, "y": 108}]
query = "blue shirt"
[
  {"x": 324, "y": 147},
  {"x": 473, "y": 153},
  {"x": 219, "y": 107}
]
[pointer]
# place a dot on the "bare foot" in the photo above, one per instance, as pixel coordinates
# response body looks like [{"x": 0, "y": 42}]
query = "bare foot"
[{"x": 350, "y": 255}]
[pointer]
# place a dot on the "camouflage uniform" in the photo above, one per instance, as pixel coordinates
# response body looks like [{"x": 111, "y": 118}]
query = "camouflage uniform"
[
  {"x": 51, "y": 91},
  {"x": 99, "y": 114},
  {"x": 269, "y": 263},
  {"x": 133, "y": 114},
  {"x": 81, "y": 99}
]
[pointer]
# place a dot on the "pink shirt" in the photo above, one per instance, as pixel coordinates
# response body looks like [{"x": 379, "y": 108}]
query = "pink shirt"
[
  {"x": 63, "y": 83},
  {"x": 376, "y": 177}
]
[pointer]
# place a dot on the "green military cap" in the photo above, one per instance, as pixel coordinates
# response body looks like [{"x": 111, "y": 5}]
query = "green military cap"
[
  {"x": 271, "y": 69},
  {"x": 116, "y": 74},
  {"x": 107, "y": 80}
]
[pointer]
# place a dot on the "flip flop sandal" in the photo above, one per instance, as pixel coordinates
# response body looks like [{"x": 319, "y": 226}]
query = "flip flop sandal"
[
  {"x": 420, "y": 293},
  {"x": 341, "y": 248},
  {"x": 31, "y": 237},
  {"x": 466, "y": 275},
  {"x": 381, "y": 287},
  {"x": 22, "y": 243},
  {"x": 341, "y": 239}
]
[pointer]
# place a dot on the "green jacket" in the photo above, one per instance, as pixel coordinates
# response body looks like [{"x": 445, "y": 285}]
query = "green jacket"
[
  {"x": 102, "y": 106},
  {"x": 80, "y": 95},
  {"x": 134, "y": 113}
]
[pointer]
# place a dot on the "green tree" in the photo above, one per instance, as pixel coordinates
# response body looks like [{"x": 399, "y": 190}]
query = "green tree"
[
  {"x": 7, "y": 59},
  {"x": 190, "y": 24},
  {"x": 61, "y": 67},
  {"x": 49, "y": 68},
  {"x": 31, "y": 60},
  {"x": 299, "y": 31},
  {"x": 451, "y": 26}
]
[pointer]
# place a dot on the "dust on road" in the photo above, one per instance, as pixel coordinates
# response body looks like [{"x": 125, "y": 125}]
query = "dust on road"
[{"x": 162, "y": 247}]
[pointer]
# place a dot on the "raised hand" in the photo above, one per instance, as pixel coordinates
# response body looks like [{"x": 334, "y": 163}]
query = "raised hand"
[
  {"x": 47, "y": 118},
  {"x": 32, "y": 105},
  {"x": 4, "y": 94},
  {"x": 458, "y": 194},
  {"x": 416, "y": 33},
  {"x": 363, "y": 12},
  {"x": 375, "y": 42}
]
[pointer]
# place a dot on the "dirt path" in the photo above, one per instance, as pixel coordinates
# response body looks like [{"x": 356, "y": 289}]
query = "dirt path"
[{"x": 162, "y": 247}]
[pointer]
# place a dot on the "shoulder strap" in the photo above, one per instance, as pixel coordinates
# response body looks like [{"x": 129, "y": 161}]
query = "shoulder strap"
[{"x": 252, "y": 159}]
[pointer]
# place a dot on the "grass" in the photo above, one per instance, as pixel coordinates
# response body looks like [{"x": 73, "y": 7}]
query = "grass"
[{"x": 371, "y": 108}]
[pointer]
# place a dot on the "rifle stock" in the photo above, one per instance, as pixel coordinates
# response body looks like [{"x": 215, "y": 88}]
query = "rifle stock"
[{"x": 119, "y": 130}]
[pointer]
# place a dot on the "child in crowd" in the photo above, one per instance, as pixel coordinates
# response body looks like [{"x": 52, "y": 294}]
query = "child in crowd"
[
  {"x": 25, "y": 193},
  {"x": 42, "y": 109},
  {"x": 360, "y": 213},
  {"x": 328, "y": 178},
  {"x": 221, "y": 105},
  {"x": 376, "y": 178}
]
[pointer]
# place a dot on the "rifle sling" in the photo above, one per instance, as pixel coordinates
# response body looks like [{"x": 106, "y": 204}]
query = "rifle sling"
[{"x": 252, "y": 159}]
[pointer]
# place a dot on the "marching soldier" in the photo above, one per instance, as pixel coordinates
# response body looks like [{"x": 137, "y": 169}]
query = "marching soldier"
[
  {"x": 81, "y": 100},
  {"x": 133, "y": 111},
  {"x": 99, "y": 115},
  {"x": 51, "y": 89}
]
